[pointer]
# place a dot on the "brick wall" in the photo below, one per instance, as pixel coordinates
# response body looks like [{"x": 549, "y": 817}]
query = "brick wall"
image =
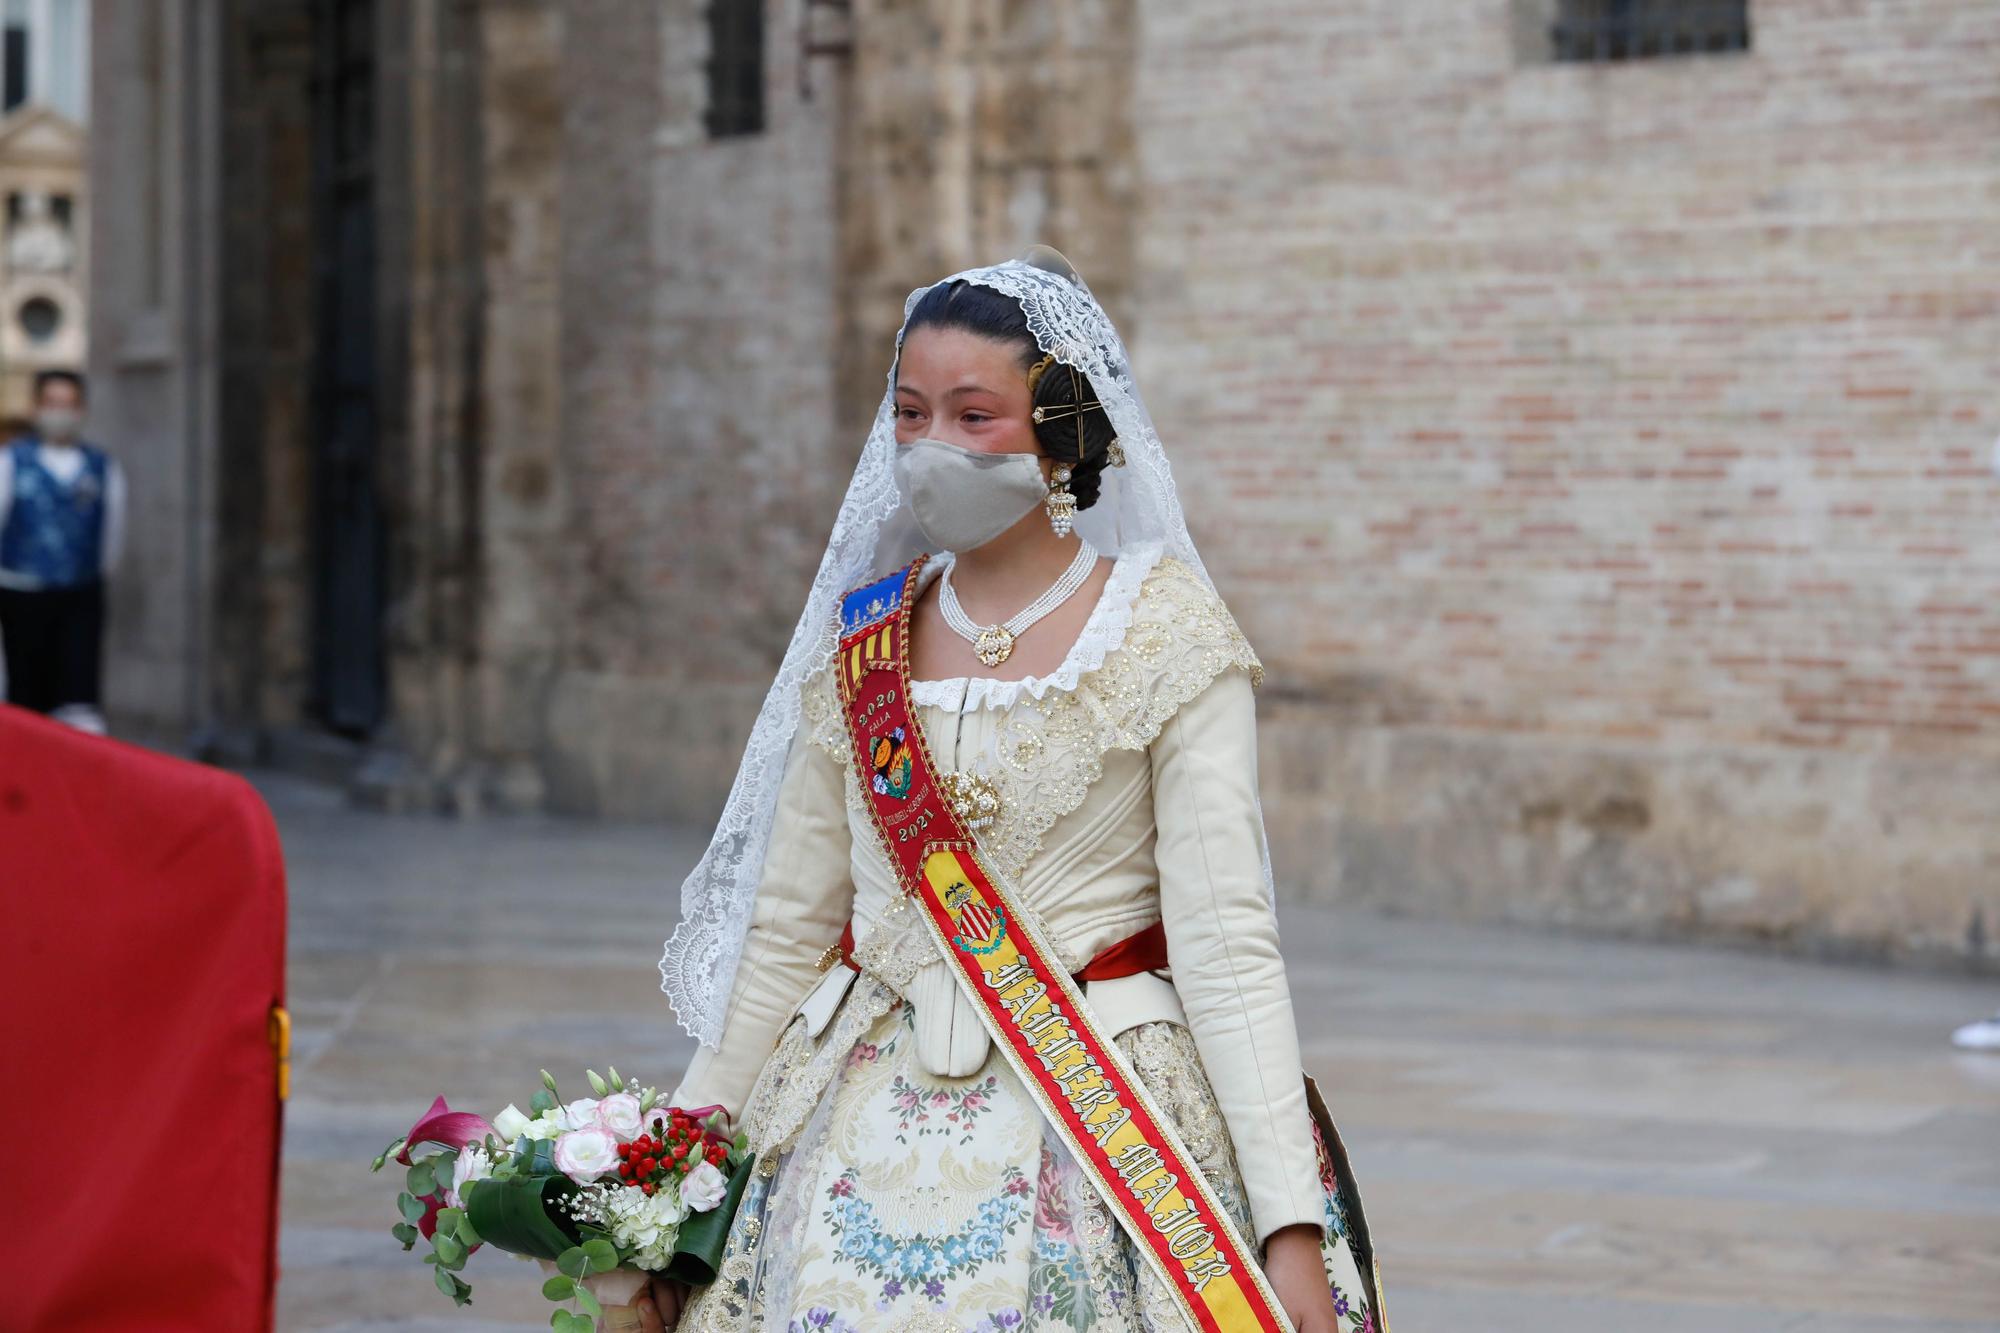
[{"x": 1596, "y": 454}]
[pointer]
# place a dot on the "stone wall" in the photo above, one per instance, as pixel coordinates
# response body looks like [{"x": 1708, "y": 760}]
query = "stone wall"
[
  {"x": 268, "y": 347},
  {"x": 154, "y": 263},
  {"x": 729, "y": 332},
  {"x": 1596, "y": 454},
  {"x": 700, "y": 397}
]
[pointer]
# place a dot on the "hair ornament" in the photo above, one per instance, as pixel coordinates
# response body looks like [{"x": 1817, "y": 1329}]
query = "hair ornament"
[{"x": 1035, "y": 371}]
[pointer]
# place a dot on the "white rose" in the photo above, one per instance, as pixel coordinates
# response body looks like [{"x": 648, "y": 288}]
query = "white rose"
[
  {"x": 585, "y": 1154},
  {"x": 473, "y": 1164},
  {"x": 510, "y": 1124},
  {"x": 619, "y": 1113},
  {"x": 704, "y": 1187},
  {"x": 580, "y": 1114}
]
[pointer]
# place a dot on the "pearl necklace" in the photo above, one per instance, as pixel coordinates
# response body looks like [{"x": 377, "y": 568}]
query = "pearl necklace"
[{"x": 994, "y": 644}]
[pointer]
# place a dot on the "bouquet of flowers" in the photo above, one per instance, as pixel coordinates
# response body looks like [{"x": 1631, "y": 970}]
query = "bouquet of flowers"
[{"x": 604, "y": 1191}]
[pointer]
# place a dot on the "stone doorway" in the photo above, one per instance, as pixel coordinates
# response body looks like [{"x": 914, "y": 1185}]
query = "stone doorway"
[{"x": 348, "y": 678}]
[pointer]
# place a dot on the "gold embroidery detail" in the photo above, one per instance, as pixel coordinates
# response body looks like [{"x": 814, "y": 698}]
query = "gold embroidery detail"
[{"x": 974, "y": 799}]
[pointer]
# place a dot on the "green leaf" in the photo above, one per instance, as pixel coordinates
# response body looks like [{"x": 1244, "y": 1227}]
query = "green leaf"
[
  {"x": 523, "y": 1214},
  {"x": 559, "y": 1287},
  {"x": 410, "y": 1206},
  {"x": 574, "y": 1261},
  {"x": 603, "y": 1255},
  {"x": 698, "y": 1248},
  {"x": 447, "y": 1218},
  {"x": 420, "y": 1180},
  {"x": 541, "y": 1101},
  {"x": 562, "y": 1321},
  {"x": 466, "y": 1234},
  {"x": 589, "y": 1304},
  {"x": 450, "y": 1253},
  {"x": 542, "y": 1158},
  {"x": 406, "y": 1233}
]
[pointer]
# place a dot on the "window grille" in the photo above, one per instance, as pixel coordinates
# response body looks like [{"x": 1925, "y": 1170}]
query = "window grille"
[
  {"x": 1604, "y": 30},
  {"x": 735, "y": 67}
]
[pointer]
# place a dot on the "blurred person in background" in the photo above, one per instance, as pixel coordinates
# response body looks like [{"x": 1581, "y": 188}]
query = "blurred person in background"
[
  {"x": 62, "y": 510},
  {"x": 1981, "y": 1034}
]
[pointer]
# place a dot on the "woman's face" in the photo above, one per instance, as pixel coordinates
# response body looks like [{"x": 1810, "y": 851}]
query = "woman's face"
[{"x": 964, "y": 389}]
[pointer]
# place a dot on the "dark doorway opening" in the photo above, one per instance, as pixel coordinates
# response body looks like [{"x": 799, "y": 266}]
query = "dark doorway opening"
[{"x": 349, "y": 685}]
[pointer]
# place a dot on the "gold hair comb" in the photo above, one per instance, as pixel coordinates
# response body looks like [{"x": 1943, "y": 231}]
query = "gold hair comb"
[{"x": 1035, "y": 371}]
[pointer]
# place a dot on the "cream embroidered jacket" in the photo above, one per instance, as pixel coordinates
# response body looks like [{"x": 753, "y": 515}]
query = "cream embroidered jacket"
[{"x": 1127, "y": 784}]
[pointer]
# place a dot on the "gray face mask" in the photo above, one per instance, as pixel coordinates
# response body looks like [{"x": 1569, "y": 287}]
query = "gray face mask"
[
  {"x": 962, "y": 498},
  {"x": 60, "y": 424}
]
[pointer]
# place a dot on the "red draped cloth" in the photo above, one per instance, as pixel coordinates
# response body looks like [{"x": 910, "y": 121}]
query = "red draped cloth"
[{"x": 142, "y": 953}]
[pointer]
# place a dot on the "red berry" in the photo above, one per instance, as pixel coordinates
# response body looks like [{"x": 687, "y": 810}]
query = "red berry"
[
  {"x": 648, "y": 1165},
  {"x": 647, "y": 1186}
]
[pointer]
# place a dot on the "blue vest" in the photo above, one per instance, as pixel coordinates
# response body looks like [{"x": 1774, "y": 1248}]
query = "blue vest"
[{"x": 55, "y": 533}]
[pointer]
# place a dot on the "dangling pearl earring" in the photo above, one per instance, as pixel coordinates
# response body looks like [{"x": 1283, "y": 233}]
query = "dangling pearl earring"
[{"x": 1061, "y": 504}]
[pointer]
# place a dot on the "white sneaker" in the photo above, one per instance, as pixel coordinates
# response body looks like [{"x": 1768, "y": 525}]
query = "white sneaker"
[
  {"x": 1983, "y": 1035},
  {"x": 84, "y": 717}
]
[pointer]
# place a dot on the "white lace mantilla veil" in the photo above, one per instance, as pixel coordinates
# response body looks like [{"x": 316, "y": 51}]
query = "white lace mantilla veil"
[{"x": 873, "y": 535}]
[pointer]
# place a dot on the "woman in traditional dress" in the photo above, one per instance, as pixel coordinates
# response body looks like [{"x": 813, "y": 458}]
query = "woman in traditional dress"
[{"x": 1085, "y": 700}]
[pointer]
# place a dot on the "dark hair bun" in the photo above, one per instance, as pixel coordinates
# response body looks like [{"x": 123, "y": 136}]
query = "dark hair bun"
[{"x": 1075, "y": 429}]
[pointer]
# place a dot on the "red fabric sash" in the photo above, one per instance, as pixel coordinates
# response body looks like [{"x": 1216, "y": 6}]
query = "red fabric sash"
[{"x": 1142, "y": 951}]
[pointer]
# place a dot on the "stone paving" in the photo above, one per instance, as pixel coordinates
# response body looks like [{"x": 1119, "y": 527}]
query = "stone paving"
[{"x": 1552, "y": 1133}]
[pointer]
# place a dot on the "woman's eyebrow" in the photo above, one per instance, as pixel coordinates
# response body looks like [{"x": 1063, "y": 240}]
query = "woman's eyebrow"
[{"x": 949, "y": 393}]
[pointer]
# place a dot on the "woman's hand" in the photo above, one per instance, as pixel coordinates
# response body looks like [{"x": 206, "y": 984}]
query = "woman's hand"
[
  {"x": 1292, "y": 1263},
  {"x": 659, "y": 1304}
]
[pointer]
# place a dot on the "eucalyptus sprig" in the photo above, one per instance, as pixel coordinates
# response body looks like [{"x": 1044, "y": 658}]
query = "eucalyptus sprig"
[{"x": 574, "y": 1264}]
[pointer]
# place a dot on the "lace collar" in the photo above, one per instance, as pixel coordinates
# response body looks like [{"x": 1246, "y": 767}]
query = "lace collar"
[{"x": 1103, "y": 632}]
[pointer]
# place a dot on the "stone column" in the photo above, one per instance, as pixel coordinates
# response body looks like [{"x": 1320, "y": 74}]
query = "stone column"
[{"x": 153, "y": 363}]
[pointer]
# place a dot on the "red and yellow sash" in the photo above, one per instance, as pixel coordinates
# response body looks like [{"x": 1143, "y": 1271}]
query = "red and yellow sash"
[{"x": 1031, "y": 1006}]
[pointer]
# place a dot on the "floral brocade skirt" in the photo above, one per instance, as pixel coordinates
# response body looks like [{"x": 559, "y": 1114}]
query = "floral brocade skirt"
[{"x": 911, "y": 1201}]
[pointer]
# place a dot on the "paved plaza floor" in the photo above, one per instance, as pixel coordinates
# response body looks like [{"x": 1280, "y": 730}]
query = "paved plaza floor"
[{"x": 1551, "y": 1133}]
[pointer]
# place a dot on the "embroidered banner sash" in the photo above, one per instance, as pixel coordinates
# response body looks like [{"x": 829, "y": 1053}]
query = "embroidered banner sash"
[{"x": 1029, "y": 1003}]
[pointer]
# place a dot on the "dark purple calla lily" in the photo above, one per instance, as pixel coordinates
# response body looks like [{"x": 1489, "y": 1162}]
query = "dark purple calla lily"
[{"x": 446, "y": 1128}]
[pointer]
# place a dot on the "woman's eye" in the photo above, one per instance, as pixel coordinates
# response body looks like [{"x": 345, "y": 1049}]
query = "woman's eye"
[
  {"x": 908, "y": 412},
  {"x": 976, "y": 417}
]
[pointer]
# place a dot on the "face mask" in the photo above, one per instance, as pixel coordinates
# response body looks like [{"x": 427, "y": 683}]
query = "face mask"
[
  {"x": 963, "y": 499},
  {"x": 58, "y": 423}
]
